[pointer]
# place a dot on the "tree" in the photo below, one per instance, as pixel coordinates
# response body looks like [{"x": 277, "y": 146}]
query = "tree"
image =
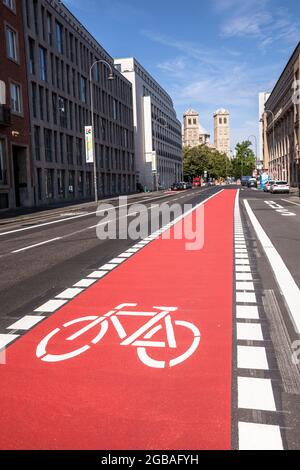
[
  {"x": 199, "y": 159},
  {"x": 244, "y": 162}
]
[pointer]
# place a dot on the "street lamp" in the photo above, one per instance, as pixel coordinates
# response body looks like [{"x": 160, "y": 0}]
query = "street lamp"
[
  {"x": 110, "y": 77},
  {"x": 273, "y": 117},
  {"x": 165, "y": 125}
]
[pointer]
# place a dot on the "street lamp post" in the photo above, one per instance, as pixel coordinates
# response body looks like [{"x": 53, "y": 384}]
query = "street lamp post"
[
  {"x": 165, "y": 125},
  {"x": 273, "y": 117},
  {"x": 110, "y": 77}
]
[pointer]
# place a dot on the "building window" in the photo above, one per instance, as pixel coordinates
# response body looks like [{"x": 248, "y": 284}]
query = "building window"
[
  {"x": 49, "y": 184},
  {"x": 43, "y": 63},
  {"x": 31, "y": 57},
  {"x": 49, "y": 29},
  {"x": 11, "y": 4},
  {"x": 70, "y": 149},
  {"x": 225, "y": 120},
  {"x": 2, "y": 162},
  {"x": 15, "y": 97},
  {"x": 11, "y": 44},
  {"x": 220, "y": 120},
  {"x": 48, "y": 145},
  {"x": 37, "y": 143},
  {"x": 33, "y": 96},
  {"x": 195, "y": 121},
  {"x": 62, "y": 112},
  {"x": 83, "y": 89},
  {"x": 59, "y": 37}
]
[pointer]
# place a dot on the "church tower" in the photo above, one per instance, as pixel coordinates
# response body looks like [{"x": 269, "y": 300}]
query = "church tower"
[{"x": 222, "y": 131}]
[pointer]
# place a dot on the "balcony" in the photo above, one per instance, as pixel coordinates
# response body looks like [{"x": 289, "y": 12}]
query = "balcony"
[{"x": 5, "y": 115}]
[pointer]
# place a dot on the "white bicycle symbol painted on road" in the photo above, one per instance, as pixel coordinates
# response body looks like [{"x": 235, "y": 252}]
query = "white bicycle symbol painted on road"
[{"x": 142, "y": 338}]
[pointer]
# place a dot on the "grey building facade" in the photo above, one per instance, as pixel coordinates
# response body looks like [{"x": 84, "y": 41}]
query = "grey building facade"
[{"x": 60, "y": 52}]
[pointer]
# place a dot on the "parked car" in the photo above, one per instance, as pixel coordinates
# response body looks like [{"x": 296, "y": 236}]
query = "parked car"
[
  {"x": 244, "y": 180},
  {"x": 280, "y": 187},
  {"x": 252, "y": 183},
  {"x": 268, "y": 185},
  {"x": 174, "y": 187}
]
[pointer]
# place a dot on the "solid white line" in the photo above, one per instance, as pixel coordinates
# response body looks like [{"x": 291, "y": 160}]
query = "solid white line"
[
  {"x": 51, "y": 306},
  {"x": 249, "y": 332},
  {"x": 5, "y": 339},
  {"x": 250, "y": 357},
  {"x": 36, "y": 245},
  {"x": 285, "y": 280},
  {"x": 253, "y": 436},
  {"x": 26, "y": 322},
  {"x": 291, "y": 202},
  {"x": 247, "y": 312},
  {"x": 255, "y": 394}
]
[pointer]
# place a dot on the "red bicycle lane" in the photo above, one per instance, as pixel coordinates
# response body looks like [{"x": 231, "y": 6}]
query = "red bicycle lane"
[{"x": 106, "y": 398}]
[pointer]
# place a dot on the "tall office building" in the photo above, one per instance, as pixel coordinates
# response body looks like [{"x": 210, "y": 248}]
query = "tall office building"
[
  {"x": 222, "y": 131},
  {"x": 15, "y": 165},
  {"x": 60, "y": 52},
  {"x": 158, "y": 146}
]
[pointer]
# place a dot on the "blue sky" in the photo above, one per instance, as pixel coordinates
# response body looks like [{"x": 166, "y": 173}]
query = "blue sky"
[{"x": 206, "y": 53}]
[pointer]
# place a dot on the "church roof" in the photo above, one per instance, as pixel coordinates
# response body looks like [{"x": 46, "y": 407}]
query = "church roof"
[
  {"x": 221, "y": 111},
  {"x": 191, "y": 112},
  {"x": 203, "y": 131}
]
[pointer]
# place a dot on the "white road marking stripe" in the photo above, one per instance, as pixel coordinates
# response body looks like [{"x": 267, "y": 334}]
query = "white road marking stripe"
[
  {"x": 255, "y": 394},
  {"x": 6, "y": 339},
  {"x": 244, "y": 262},
  {"x": 36, "y": 245},
  {"x": 97, "y": 274},
  {"x": 244, "y": 286},
  {"x": 243, "y": 277},
  {"x": 239, "y": 250},
  {"x": 291, "y": 202},
  {"x": 246, "y": 297},
  {"x": 253, "y": 436},
  {"x": 108, "y": 267},
  {"x": 250, "y": 357},
  {"x": 242, "y": 269},
  {"x": 285, "y": 281},
  {"x": 247, "y": 312},
  {"x": 117, "y": 261},
  {"x": 126, "y": 255},
  {"x": 249, "y": 332},
  {"x": 132, "y": 250},
  {"x": 69, "y": 293},
  {"x": 85, "y": 283},
  {"x": 241, "y": 256},
  {"x": 26, "y": 322},
  {"x": 51, "y": 306}
]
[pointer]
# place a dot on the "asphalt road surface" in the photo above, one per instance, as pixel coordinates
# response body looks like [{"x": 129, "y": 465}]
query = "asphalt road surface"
[{"x": 154, "y": 343}]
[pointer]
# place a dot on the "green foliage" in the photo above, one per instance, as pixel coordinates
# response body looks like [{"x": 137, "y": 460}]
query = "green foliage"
[
  {"x": 199, "y": 159},
  {"x": 244, "y": 162}
]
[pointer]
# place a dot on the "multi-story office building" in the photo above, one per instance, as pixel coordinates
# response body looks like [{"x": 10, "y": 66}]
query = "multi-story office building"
[
  {"x": 15, "y": 167},
  {"x": 158, "y": 145},
  {"x": 60, "y": 53},
  {"x": 193, "y": 133},
  {"x": 222, "y": 131},
  {"x": 282, "y": 124}
]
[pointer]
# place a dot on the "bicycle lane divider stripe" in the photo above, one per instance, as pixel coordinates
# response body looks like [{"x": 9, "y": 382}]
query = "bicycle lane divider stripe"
[{"x": 107, "y": 398}]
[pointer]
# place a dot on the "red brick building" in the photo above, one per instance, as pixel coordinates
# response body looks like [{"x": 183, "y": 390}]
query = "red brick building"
[{"x": 15, "y": 159}]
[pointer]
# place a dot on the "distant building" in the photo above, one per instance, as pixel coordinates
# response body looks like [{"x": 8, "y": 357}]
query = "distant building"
[
  {"x": 158, "y": 146},
  {"x": 282, "y": 123},
  {"x": 193, "y": 133},
  {"x": 263, "y": 155},
  {"x": 15, "y": 166},
  {"x": 222, "y": 131}
]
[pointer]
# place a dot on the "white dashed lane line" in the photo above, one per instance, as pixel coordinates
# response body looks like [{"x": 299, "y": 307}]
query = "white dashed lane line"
[{"x": 254, "y": 393}]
